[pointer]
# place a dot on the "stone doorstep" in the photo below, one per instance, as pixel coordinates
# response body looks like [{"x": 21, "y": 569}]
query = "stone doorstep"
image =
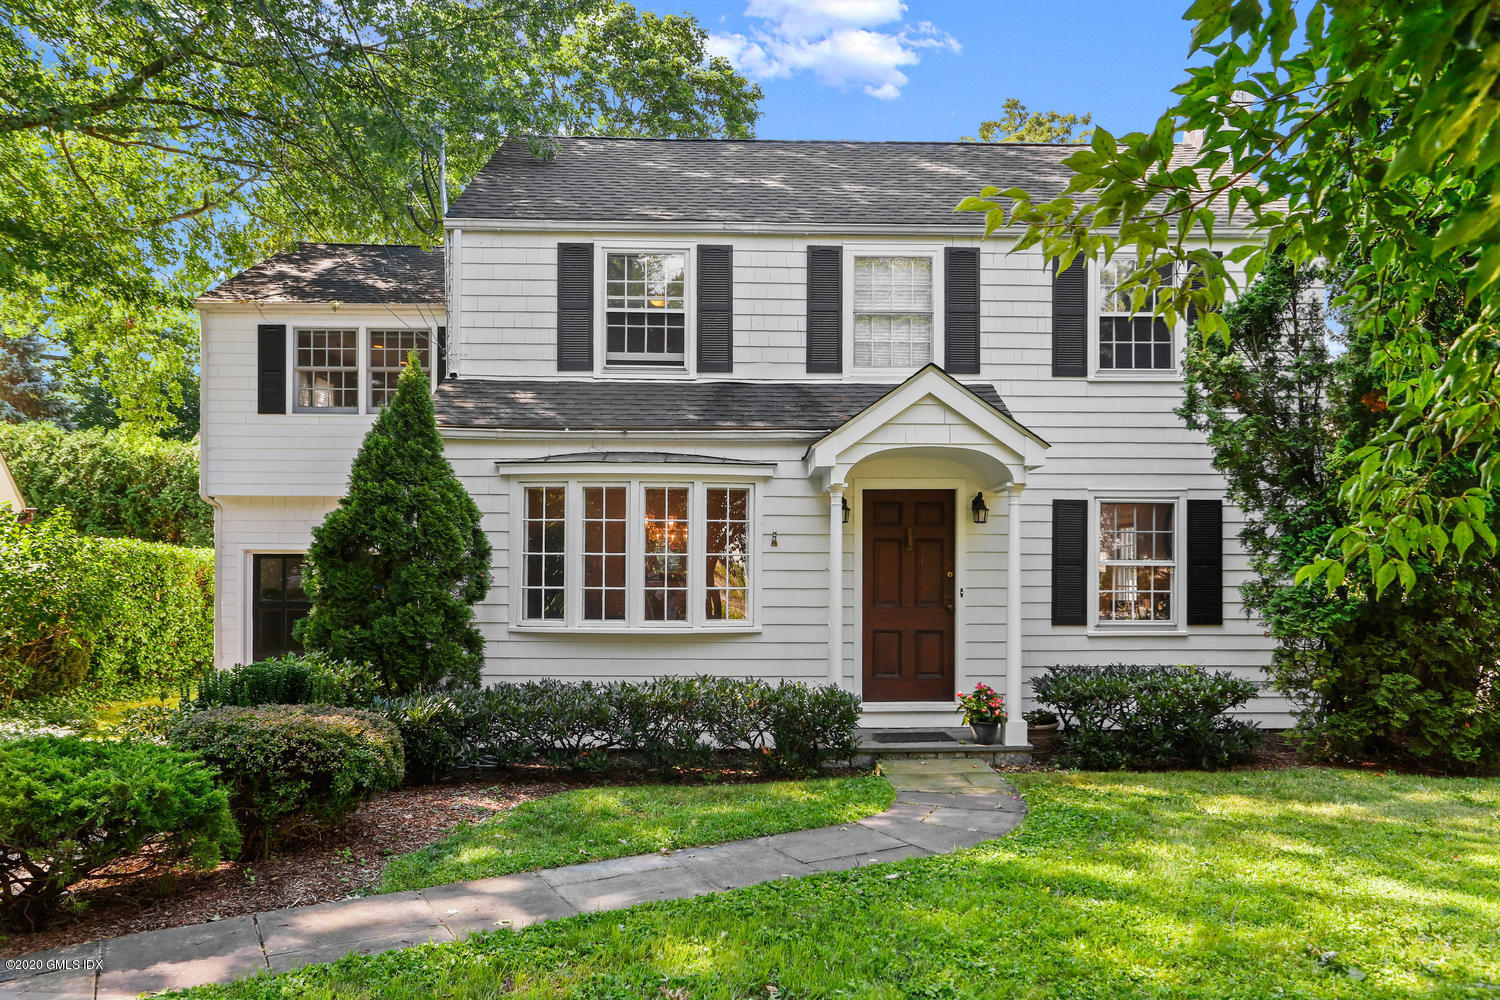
[{"x": 941, "y": 805}]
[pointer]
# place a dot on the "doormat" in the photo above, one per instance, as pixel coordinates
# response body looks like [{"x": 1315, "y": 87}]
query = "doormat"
[{"x": 914, "y": 736}]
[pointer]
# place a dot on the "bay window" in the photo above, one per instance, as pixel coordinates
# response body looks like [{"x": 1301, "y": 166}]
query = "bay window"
[
  {"x": 665, "y": 567},
  {"x": 545, "y": 569}
]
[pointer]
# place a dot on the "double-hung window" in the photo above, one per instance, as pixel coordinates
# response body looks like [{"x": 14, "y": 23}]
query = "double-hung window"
[
  {"x": 1130, "y": 340},
  {"x": 327, "y": 370},
  {"x": 1137, "y": 561},
  {"x": 389, "y": 350},
  {"x": 645, "y": 317},
  {"x": 644, "y": 554},
  {"x": 893, "y": 311}
]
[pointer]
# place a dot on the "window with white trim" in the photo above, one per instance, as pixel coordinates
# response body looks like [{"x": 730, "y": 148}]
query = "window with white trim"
[
  {"x": 893, "y": 311},
  {"x": 1137, "y": 561},
  {"x": 1130, "y": 340},
  {"x": 645, "y": 308},
  {"x": 604, "y": 529},
  {"x": 389, "y": 350},
  {"x": 545, "y": 531},
  {"x": 665, "y": 566},
  {"x": 726, "y": 572},
  {"x": 327, "y": 370}
]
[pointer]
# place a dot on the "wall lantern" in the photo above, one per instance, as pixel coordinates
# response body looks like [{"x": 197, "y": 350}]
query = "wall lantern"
[
  {"x": 981, "y": 512},
  {"x": 845, "y": 502}
]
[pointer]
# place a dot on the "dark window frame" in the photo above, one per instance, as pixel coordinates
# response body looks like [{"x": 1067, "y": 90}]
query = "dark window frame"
[{"x": 261, "y": 645}]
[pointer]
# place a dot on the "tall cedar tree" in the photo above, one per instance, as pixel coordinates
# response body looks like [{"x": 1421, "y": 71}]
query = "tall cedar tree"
[{"x": 397, "y": 566}]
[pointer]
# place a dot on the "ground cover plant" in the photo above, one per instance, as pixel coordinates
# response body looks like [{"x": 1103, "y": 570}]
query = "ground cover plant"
[
  {"x": 1303, "y": 883},
  {"x": 593, "y": 824}
]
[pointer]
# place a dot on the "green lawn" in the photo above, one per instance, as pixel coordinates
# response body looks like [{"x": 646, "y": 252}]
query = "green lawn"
[
  {"x": 1302, "y": 883},
  {"x": 592, "y": 824}
]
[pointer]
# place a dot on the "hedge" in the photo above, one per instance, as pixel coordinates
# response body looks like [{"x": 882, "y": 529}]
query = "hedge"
[
  {"x": 118, "y": 483},
  {"x": 106, "y": 612}
]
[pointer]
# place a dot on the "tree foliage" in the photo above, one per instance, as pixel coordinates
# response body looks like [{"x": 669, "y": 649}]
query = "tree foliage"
[
  {"x": 1376, "y": 675},
  {"x": 1323, "y": 127},
  {"x": 1018, "y": 124},
  {"x": 182, "y": 139},
  {"x": 397, "y": 565}
]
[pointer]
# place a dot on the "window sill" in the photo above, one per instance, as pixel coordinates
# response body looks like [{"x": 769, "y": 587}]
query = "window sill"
[
  {"x": 1138, "y": 376},
  {"x": 1164, "y": 632},
  {"x": 644, "y": 631}
]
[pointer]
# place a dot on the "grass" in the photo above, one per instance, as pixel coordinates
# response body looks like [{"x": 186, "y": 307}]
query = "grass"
[
  {"x": 592, "y": 824},
  {"x": 81, "y": 711},
  {"x": 1303, "y": 883}
]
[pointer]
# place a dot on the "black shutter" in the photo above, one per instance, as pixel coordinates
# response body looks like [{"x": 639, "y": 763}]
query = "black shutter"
[
  {"x": 961, "y": 310},
  {"x": 270, "y": 391},
  {"x": 825, "y": 309},
  {"x": 1205, "y": 562},
  {"x": 575, "y": 307},
  {"x": 1070, "y": 307},
  {"x": 1069, "y": 562},
  {"x": 716, "y": 308},
  {"x": 442, "y": 353},
  {"x": 1195, "y": 282}
]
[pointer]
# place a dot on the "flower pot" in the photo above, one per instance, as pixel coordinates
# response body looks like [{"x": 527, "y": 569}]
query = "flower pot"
[
  {"x": 985, "y": 732},
  {"x": 1043, "y": 739}
]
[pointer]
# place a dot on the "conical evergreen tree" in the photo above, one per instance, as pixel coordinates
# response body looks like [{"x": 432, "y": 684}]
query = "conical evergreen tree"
[{"x": 396, "y": 567}]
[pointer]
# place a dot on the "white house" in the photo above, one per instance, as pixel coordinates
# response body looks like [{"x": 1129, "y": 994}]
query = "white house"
[{"x": 746, "y": 407}]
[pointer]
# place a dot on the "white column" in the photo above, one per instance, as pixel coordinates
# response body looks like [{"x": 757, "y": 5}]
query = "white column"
[
  {"x": 1015, "y": 726},
  {"x": 836, "y": 583}
]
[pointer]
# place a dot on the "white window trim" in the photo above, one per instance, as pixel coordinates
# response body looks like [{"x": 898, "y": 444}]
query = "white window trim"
[
  {"x": 1097, "y": 374},
  {"x": 689, "y": 251},
  {"x": 1107, "y": 627},
  {"x": 635, "y": 623},
  {"x": 367, "y": 390},
  {"x": 939, "y": 305},
  {"x": 361, "y": 373},
  {"x": 362, "y": 340}
]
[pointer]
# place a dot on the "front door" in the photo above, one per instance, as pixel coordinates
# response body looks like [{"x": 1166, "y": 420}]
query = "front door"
[{"x": 908, "y": 595}]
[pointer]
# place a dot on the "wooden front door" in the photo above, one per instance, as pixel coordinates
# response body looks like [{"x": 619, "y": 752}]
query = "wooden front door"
[{"x": 908, "y": 603}]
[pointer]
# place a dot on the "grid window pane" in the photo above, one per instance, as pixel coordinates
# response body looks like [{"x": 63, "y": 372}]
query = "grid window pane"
[
  {"x": 545, "y": 531},
  {"x": 892, "y": 312},
  {"x": 277, "y": 604},
  {"x": 644, "y": 299},
  {"x": 1137, "y": 559},
  {"x": 1128, "y": 340},
  {"x": 604, "y": 553},
  {"x": 665, "y": 576},
  {"x": 327, "y": 370},
  {"x": 389, "y": 350},
  {"x": 727, "y": 572}
]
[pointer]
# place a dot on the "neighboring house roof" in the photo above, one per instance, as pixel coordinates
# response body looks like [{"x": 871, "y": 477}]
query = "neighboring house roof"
[
  {"x": 9, "y": 492},
  {"x": 339, "y": 272},
  {"x": 822, "y": 183},
  {"x": 662, "y": 405}
]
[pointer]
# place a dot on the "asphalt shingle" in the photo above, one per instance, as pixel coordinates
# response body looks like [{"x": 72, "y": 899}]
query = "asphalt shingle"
[{"x": 339, "y": 272}]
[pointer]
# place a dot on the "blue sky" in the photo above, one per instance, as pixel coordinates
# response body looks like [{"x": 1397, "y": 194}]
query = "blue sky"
[{"x": 934, "y": 69}]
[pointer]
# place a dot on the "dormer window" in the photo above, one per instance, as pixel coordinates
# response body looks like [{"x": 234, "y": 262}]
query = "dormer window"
[
  {"x": 645, "y": 312},
  {"x": 893, "y": 315}
]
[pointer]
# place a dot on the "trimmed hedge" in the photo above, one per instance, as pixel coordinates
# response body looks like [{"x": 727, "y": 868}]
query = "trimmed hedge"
[
  {"x": 293, "y": 770},
  {"x": 69, "y": 806},
  {"x": 1129, "y": 716},
  {"x": 102, "y": 611},
  {"x": 116, "y": 482},
  {"x": 665, "y": 723}
]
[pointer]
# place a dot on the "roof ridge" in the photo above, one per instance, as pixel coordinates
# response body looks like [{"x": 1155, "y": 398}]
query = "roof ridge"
[{"x": 758, "y": 140}]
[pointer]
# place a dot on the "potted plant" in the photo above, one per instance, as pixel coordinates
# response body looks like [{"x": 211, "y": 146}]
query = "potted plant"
[
  {"x": 984, "y": 713},
  {"x": 1041, "y": 729}
]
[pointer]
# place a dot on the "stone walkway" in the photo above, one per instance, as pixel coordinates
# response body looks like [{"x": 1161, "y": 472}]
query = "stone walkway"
[{"x": 941, "y": 806}]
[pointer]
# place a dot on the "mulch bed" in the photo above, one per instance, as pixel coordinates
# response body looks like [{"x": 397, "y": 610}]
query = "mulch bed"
[{"x": 124, "y": 899}]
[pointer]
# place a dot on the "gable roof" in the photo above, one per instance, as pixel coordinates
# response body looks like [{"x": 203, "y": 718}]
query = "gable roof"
[
  {"x": 339, "y": 272},
  {"x": 823, "y": 183},
  {"x": 557, "y": 405}
]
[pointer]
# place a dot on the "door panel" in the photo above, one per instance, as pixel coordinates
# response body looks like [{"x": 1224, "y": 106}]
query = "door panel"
[{"x": 908, "y": 595}]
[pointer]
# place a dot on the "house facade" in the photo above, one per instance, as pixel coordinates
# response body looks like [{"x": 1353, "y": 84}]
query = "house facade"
[{"x": 746, "y": 407}]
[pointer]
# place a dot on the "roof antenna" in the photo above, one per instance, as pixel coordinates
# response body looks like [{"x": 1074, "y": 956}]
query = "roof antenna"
[{"x": 443, "y": 167}]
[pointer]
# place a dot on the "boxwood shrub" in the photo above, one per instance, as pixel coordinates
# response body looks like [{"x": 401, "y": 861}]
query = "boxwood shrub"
[
  {"x": 1130, "y": 716},
  {"x": 293, "y": 770},
  {"x": 69, "y": 806}
]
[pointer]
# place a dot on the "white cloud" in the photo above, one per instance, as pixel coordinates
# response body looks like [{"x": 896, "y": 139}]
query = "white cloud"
[{"x": 841, "y": 42}]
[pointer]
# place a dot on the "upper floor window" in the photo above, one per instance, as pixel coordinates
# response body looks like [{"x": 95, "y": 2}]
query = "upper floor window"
[
  {"x": 1130, "y": 341},
  {"x": 645, "y": 315},
  {"x": 389, "y": 350},
  {"x": 327, "y": 370},
  {"x": 1137, "y": 561},
  {"x": 893, "y": 317}
]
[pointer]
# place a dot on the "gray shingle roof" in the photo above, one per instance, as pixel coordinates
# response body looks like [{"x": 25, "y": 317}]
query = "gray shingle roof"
[
  {"x": 339, "y": 272},
  {"x": 754, "y": 180},
  {"x": 662, "y": 405}
]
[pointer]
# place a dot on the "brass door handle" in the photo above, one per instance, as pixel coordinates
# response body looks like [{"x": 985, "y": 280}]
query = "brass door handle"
[{"x": 908, "y": 539}]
